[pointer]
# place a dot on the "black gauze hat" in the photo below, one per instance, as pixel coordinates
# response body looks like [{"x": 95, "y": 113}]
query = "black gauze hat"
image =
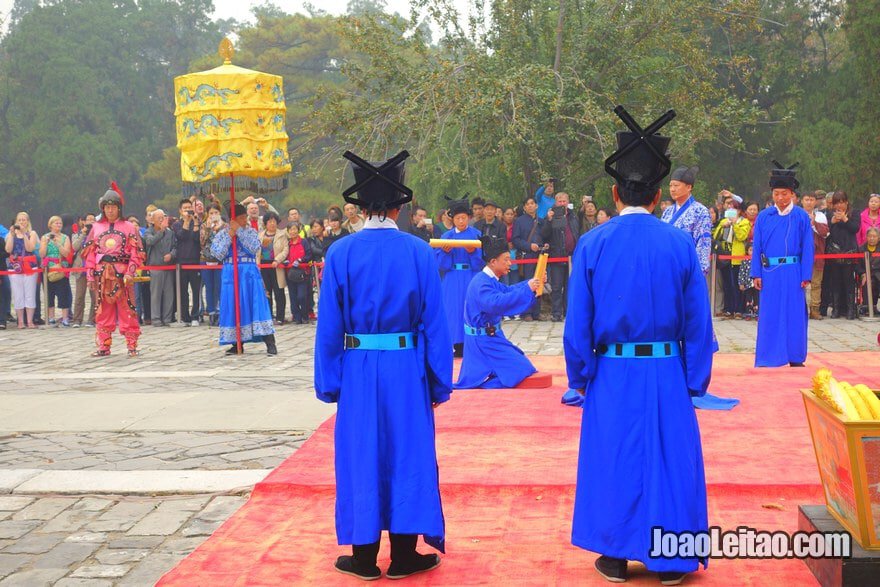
[
  {"x": 686, "y": 175},
  {"x": 784, "y": 177},
  {"x": 379, "y": 186},
  {"x": 493, "y": 246},
  {"x": 640, "y": 162},
  {"x": 240, "y": 209},
  {"x": 458, "y": 207}
]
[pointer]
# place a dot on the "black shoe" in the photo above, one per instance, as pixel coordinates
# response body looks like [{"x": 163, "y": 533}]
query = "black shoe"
[
  {"x": 233, "y": 350},
  {"x": 556, "y": 318},
  {"x": 612, "y": 569},
  {"x": 420, "y": 564},
  {"x": 796, "y": 365},
  {"x": 346, "y": 566},
  {"x": 39, "y": 322},
  {"x": 271, "y": 349},
  {"x": 669, "y": 578}
]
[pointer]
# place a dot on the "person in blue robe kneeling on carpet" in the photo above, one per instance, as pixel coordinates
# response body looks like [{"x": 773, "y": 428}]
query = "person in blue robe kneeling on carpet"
[
  {"x": 782, "y": 268},
  {"x": 254, "y": 312},
  {"x": 638, "y": 345},
  {"x": 383, "y": 354},
  {"x": 490, "y": 360}
]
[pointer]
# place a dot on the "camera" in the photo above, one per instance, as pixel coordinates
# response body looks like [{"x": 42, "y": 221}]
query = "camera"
[{"x": 558, "y": 210}]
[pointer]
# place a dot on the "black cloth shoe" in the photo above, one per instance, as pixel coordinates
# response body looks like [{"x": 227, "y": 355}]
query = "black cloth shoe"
[
  {"x": 419, "y": 563},
  {"x": 347, "y": 566},
  {"x": 669, "y": 578},
  {"x": 612, "y": 569},
  {"x": 271, "y": 349},
  {"x": 233, "y": 350},
  {"x": 796, "y": 365}
]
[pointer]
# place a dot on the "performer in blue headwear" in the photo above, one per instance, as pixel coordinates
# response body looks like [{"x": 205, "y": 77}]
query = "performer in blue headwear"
[
  {"x": 458, "y": 266},
  {"x": 782, "y": 267},
  {"x": 638, "y": 345},
  {"x": 382, "y": 353},
  {"x": 490, "y": 360},
  {"x": 254, "y": 311}
]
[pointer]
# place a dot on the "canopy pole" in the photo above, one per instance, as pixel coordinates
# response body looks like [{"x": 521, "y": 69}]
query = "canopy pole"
[{"x": 235, "y": 267}]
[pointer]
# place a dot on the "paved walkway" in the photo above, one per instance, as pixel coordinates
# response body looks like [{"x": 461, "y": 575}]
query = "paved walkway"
[{"x": 113, "y": 470}]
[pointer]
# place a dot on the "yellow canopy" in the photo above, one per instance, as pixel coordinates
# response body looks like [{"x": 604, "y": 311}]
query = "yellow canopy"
[{"x": 231, "y": 120}]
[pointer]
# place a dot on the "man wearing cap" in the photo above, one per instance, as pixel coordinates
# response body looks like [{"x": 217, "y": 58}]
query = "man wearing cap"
[
  {"x": 640, "y": 466},
  {"x": 382, "y": 354},
  {"x": 252, "y": 320},
  {"x": 112, "y": 255},
  {"x": 458, "y": 266},
  {"x": 489, "y": 224},
  {"x": 688, "y": 214},
  {"x": 490, "y": 360},
  {"x": 782, "y": 268}
]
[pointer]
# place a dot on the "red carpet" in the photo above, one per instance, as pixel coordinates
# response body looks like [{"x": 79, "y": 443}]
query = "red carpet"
[{"x": 507, "y": 468}]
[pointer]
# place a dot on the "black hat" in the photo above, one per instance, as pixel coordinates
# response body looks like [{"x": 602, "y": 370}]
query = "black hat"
[
  {"x": 379, "y": 186},
  {"x": 493, "y": 246},
  {"x": 240, "y": 209},
  {"x": 686, "y": 175},
  {"x": 784, "y": 177},
  {"x": 640, "y": 162},
  {"x": 458, "y": 207},
  {"x": 490, "y": 203}
]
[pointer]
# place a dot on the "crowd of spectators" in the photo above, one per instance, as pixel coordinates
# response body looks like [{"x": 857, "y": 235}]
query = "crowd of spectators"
[{"x": 292, "y": 252}]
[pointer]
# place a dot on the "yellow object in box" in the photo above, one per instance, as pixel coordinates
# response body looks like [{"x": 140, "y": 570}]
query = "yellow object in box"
[{"x": 848, "y": 456}]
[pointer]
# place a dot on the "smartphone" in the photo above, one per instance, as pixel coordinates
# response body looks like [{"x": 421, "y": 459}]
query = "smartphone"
[{"x": 429, "y": 222}]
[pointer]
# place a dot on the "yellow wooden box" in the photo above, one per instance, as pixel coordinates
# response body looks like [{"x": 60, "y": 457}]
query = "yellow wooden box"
[{"x": 848, "y": 455}]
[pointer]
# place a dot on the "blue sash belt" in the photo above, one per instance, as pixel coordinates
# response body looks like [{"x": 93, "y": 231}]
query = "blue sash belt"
[
  {"x": 487, "y": 331},
  {"x": 391, "y": 341},
  {"x": 461, "y": 266},
  {"x": 639, "y": 350},
  {"x": 771, "y": 261}
]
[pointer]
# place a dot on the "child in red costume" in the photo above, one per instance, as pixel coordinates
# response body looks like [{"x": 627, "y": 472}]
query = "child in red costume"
[{"x": 112, "y": 254}]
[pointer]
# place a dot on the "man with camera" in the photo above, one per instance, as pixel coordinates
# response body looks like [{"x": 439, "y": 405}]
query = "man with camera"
[
  {"x": 561, "y": 232},
  {"x": 421, "y": 226},
  {"x": 187, "y": 232},
  {"x": 545, "y": 196},
  {"x": 78, "y": 241}
]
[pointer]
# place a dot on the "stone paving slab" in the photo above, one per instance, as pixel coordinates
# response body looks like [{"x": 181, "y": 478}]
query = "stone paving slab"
[
  {"x": 178, "y": 450},
  {"x": 9, "y": 480},
  {"x": 140, "y": 482},
  {"x": 163, "y": 531}
]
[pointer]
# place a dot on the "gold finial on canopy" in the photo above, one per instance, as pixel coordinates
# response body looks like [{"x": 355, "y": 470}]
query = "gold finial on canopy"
[{"x": 226, "y": 51}]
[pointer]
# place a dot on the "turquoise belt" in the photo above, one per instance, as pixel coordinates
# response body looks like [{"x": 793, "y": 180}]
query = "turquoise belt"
[
  {"x": 487, "y": 331},
  {"x": 639, "y": 350},
  {"x": 461, "y": 266},
  {"x": 771, "y": 261},
  {"x": 391, "y": 341}
]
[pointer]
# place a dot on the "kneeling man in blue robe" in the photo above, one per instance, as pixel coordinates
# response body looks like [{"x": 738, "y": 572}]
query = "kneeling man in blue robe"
[
  {"x": 490, "y": 360},
  {"x": 383, "y": 353},
  {"x": 638, "y": 345}
]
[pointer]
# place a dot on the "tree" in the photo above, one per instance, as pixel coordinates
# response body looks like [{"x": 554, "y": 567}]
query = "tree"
[{"x": 87, "y": 97}]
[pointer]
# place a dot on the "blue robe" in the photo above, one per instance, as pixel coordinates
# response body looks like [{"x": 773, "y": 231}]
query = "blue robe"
[
  {"x": 782, "y": 326},
  {"x": 456, "y": 281},
  {"x": 256, "y": 316},
  {"x": 636, "y": 279},
  {"x": 493, "y": 361},
  {"x": 384, "y": 281}
]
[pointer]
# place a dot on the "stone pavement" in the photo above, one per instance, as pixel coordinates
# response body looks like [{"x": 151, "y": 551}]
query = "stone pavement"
[{"x": 176, "y": 428}]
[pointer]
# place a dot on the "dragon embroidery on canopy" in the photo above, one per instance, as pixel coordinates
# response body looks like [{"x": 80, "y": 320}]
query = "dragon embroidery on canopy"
[{"x": 205, "y": 91}]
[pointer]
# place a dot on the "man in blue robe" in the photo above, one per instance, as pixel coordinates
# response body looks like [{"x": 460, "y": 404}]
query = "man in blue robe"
[
  {"x": 254, "y": 313},
  {"x": 458, "y": 266},
  {"x": 382, "y": 353},
  {"x": 638, "y": 345},
  {"x": 688, "y": 214},
  {"x": 782, "y": 267},
  {"x": 490, "y": 360}
]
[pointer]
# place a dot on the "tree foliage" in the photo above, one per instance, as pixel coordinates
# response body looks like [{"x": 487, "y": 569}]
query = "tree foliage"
[{"x": 488, "y": 102}]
